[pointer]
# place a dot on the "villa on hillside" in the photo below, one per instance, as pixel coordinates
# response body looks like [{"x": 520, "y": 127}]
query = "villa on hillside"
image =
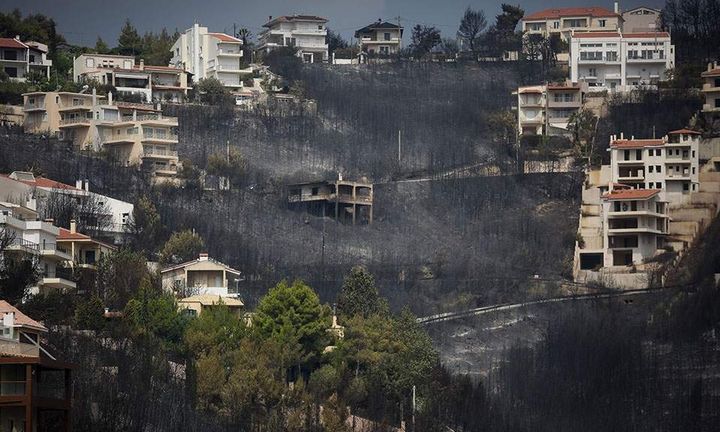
[
  {"x": 35, "y": 387},
  {"x": 18, "y": 59},
  {"x": 307, "y": 33},
  {"x": 380, "y": 37},
  {"x": 546, "y": 109},
  {"x": 648, "y": 201},
  {"x": 563, "y": 21},
  {"x": 203, "y": 275}
]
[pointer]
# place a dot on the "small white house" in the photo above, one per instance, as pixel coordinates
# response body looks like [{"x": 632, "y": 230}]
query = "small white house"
[{"x": 203, "y": 275}]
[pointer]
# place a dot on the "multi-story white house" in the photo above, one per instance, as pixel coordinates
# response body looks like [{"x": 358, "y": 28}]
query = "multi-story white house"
[
  {"x": 641, "y": 19},
  {"x": 563, "y": 21},
  {"x": 307, "y": 33},
  {"x": 546, "y": 109},
  {"x": 152, "y": 83},
  {"x": 18, "y": 59},
  {"x": 617, "y": 61},
  {"x": 134, "y": 134},
  {"x": 206, "y": 54},
  {"x": 112, "y": 215},
  {"x": 625, "y": 222},
  {"x": 711, "y": 88},
  {"x": 380, "y": 37},
  {"x": 36, "y": 240}
]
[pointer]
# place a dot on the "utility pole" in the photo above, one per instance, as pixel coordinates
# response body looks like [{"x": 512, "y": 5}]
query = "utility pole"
[
  {"x": 399, "y": 33},
  {"x": 413, "y": 408},
  {"x": 399, "y": 146},
  {"x": 227, "y": 151}
]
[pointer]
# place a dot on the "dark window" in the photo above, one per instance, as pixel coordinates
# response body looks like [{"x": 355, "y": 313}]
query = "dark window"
[
  {"x": 315, "y": 190},
  {"x": 11, "y": 71},
  {"x": 11, "y": 55},
  {"x": 686, "y": 187},
  {"x": 638, "y": 154},
  {"x": 627, "y": 154},
  {"x": 387, "y": 36},
  {"x": 32, "y": 58}
]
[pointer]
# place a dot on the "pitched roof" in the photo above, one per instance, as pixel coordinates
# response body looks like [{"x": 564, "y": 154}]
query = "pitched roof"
[
  {"x": 636, "y": 143},
  {"x": 11, "y": 43},
  {"x": 291, "y": 18},
  {"x": 225, "y": 37},
  {"x": 631, "y": 194},
  {"x": 529, "y": 90},
  {"x": 43, "y": 182},
  {"x": 212, "y": 299},
  {"x": 641, "y": 7},
  {"x": 684, "y": 131},
  {"x": 20, "y": 318},
  {"x": 197, "y": 261},
  {"x": 66, "y": 234},
  {"x": 378, "y": 25},
  {"x": 593, "y": 11}
]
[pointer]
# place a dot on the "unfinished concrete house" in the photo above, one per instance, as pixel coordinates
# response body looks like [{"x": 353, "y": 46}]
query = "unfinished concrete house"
[{"x": 346, "y": 201}]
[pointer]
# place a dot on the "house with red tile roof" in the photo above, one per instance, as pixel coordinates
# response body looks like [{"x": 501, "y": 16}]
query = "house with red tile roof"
[
  {"x": 563, "y": 21},
  {"x": 152, "y": 83},
  {"x": 84, "y": 250},
  {"x": 307, "y": 33},
  {"x": 18, "y": 58},
  {"x": 36, "y": 385},
  {"x": 620, "y": 61},
  {"x": 208, "y": 54}
]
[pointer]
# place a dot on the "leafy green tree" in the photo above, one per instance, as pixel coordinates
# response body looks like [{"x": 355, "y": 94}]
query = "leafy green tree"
[
  {"x": 424, "y": 39},
  {"x": 359, "y": 295},
  {"x": 211, "y": 378},
  {"x": 101, "y": 47},
  {"x": 212, "y": 92},
  {"x": 129, "y": 41},
  {"x": 216, "y": 328},
  {"x": 181, "y": 247},
  {"x": 473, "y": 23},
  {"x": 324, "y": 381},
  {"x": 89, "y": 314},
  {"x": 154, "y": 312},
  {"x": 502, "y": 36},
  {"x": 291, "y": 314}
]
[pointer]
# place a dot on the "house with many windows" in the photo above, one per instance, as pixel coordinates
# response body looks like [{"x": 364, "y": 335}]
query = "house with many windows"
[
  {"x": 18, "y": 59},
  {"x": 628, "y": 207},
  {"x": 546, "y": 109},
  {"x": 563, "y": 21},
  {"x": 35, "y": 240},
  {"x": 207, "y": 54},
  {"x": 134, "y": 134},
  {"x": 307, "y": 33},
  {"x": 618, "y": 61},
  {"x": 380, "y": 37},
  {"x": 150, "y": 83},
  {"x": 85, "y": 251}
]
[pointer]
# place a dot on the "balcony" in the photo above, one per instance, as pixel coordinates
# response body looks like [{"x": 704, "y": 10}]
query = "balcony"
[
  {"x": 75, "y": 122},
  {"x": 677, "y": 175},
  {"x": 374, "y": 41},
  {"x": 59, "y": 279},
  {"x": 602, "y": 59},
  {"x": 75, "y": 105},
  {"x": 564, "y": 103},
  {"x": 53, "y": 252},
  {"x": 32, "y": 107},
  {"x": 230, "y": 53},
  {"x": 122, "y": 138},
  {"x": 162, "y": 138},
  {"x": 152, "y": 153},
  {"x": 650, "y": 57},
  {"x": 13, "y": 348},
  {"x": 711, "y": 87}
]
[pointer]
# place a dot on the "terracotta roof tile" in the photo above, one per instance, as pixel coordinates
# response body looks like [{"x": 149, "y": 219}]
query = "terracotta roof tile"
[
  {"x": 631, "y": 194},
  {"x": 638, "y": 143},
  {"x": 711, "y": 73},
  {"x": 44, "y": 182},
  {"x": 20, "y": 318},
  {"x": 684, "y": 131},
  {"x": 594, "y": 11},
  {"x": 647, "y": 35},
  {"x": 212, "y": 299},
  {"x": 225, "y": 38},
  {"x": 65, "y": 234},
  {"x": 11, "y": 43}
]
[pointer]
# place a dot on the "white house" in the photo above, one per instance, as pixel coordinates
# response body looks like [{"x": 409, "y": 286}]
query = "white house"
[
  {"x": 641, "y": 19},
  {"x": 617, "y": 61},
  {"x": 307, "y": 33},
  {"x": 546, "y": 109},
  {"x": 18, "y": 59},
  {"x": 380, "y": 37},
  {"x": 206, "y": 54}
]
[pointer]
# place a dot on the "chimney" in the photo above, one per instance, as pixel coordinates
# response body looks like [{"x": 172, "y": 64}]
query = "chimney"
[
  {"x": 78, "y": 184},
  {"x": 87, "y": 185},
  {"x": 94, "y": 97},
  {"x": 269, "y": 17},
  {"x": 203, "y": 256},
  {"x": 17, "y": 37},
  {"x": 617, "y": 7},
  {"x": 710, "y": 66},
  {"x": 622, "y": 135},
  {"x": 73, "y": 226}
]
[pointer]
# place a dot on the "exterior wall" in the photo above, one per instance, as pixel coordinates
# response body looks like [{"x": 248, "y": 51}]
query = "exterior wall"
[
  {"x": 308, "y": 36},
  {"x": 14, "y": 61},
  {"x": 204, "y": 55},
  {"x": 376, "y": 42},
  {"x": 546, "y": 109},
  {"x": 711, "y": 88},
  {"x": 565, "y": 25},
  {"x": 88, "y": 63},
  {"x": 641, "y": 19},
  {"x": 620, "y": 63}
]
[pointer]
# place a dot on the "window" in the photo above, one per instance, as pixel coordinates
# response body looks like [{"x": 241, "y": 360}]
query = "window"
[
  {"x": 127, "y": 64},
  {"x": 12, "y": 72},
  {"x": 658, "y": 152},
  {"x": 387, "y": 36},
  {"x": 638, "y": 154},
  {"x": 32, "y": 58},
  {"x": 601, "y": 22},
  {"x": 693, "y": 170},
  {"x": 686, "y": 187},
  {"x": 90, "y": 62},
  {"x": 651, "y": 185},
  {"x": 556, "y": 25},
  {"x": 320, "y": 27},
  {"x": 693, "y": 154},
  {"x": 11, "y": 55},
  {"x": 658, "y": 169},
  {"x": 627, "y": 154},
  {"x": 717, "y": 82},
  {"x": 592, "y": 72},
  {"x": 650, "y": 168},
  {"x": 659, "y": 185}
]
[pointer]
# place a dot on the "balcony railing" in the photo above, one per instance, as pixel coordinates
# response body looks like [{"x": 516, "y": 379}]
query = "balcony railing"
[
  {"x": 149, "y": 152},
  {"x": 74, "y": 120},
  {"x": 36, "y": 105}
]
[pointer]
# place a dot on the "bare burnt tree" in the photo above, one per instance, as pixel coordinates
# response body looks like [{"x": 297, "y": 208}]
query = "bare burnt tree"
[
  {"x": 91, "y": 215},
  {"x": 18, "y": 267}
]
